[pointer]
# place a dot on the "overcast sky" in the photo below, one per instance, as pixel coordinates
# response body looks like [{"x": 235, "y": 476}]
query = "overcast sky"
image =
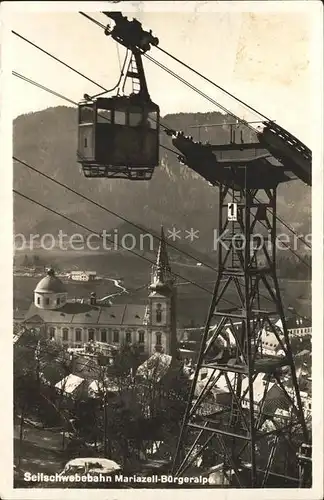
[{"x": 262, "y": 57}]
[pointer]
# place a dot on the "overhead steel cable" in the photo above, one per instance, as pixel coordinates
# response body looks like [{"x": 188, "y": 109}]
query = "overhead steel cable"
[
  {"x": 111, "y": 212},
  {"x": 292, "y": 230},
  {"x": 93, "y": 20},
  {"x": 164, "y": 126},
  {"x": 122, "y": 218},
  {"x": 91, "y": 231},
  {"x": 169, "y": 149},
  {"x": 213, "y": 83},
  {"x": 73, "y": 102},
  {"x": 193, "y": 87},
  {"x": 103, "y": 26},
  {"x": 61, "y": 96},
  {"x": 42, "y": 87},
  {"x": 82, "y": 74},
  {"x": 287, "y": 226},
  {"x": 61, "y": 62},
  {"x": 110, "y": 90},
  {"x": 182, "y": 80}
]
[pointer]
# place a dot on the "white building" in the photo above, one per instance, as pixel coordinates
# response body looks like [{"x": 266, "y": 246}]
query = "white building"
[
  {"x": 83, "y": 275},
  {"x": 270, "y": 345},
  {"x": 297, "y": 326}
]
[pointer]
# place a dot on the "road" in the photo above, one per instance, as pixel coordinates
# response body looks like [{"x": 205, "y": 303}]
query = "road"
[
  {"x": 40, "y": 450},
  {"x": 117, "y": 285}
]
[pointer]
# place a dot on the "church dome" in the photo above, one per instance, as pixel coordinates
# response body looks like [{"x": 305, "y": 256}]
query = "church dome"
[
  {"x": 50, "y": 284},
  {"x": 160, "y": 287}
]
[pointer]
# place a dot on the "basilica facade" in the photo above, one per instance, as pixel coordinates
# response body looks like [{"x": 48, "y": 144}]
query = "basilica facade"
[{"x": 73, "y": 324}]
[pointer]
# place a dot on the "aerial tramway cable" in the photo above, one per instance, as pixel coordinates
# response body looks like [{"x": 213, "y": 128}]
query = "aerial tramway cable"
[
  {"x": 111, "y": 212},
  {"x": 169, "y": 244},
  {"x": 27, "y": 165},
  {"x": 281, "y": 144},
  {"x": 167, "y": 128},
  {"x": 42, "y": 87},
  {"x": 79, "y": 224},
  {"x": 182, "y": 80},
  {"x": 213, "y": 83}
]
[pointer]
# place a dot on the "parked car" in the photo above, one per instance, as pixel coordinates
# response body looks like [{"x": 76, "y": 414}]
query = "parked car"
[
  {"x": 92, "y": 468},
  {"x": 91, "y": 465}
]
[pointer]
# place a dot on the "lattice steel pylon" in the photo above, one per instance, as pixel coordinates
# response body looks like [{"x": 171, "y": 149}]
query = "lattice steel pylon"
[{"x": 245, "y": 418}]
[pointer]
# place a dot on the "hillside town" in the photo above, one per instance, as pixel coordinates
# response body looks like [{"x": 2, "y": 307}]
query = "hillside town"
[
  {"x": 130, "y": 367},
  {"x": 162, "y": 268}
]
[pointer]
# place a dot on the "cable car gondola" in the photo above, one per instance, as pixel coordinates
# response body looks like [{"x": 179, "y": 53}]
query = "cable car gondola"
[{"x": 119, "y": 136}]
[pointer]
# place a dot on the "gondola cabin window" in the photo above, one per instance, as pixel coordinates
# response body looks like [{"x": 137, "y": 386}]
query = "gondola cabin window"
[
  {"x": 120, "y": 117},
  {"x": 135, "y": 117},
  {"x": 104, "y": 116},
  {"x": 153, "y": 119},
  {"x": 86, "y": 115},
  {"x": 86, "y": 133}
]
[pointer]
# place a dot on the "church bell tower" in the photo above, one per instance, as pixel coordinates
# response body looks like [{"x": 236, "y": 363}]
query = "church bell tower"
[{"x": 162, "y": 305}]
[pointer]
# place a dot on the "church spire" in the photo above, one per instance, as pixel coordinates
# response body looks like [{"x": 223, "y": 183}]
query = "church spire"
[
  {"x": 162, "y": 261},
  {"x": 161, "y": 272}
]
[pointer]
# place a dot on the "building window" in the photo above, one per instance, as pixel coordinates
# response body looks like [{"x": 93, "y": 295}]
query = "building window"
[
  {"x": 116, "y": 336},
  {"x": 159, "y": 339},
  {"x": 91, "y": 334},
  {"x": 47, "y": 301},
  {"x": 103, "y": 336},
  {"x": 158, "y": 313},
  {"x": 38, "y": 300},
  {"x": 78, "y": 335},
  {"x": 58, "y": 301},
  {"x": 128, "y": 336},
  {"x": 52, "y": 331},
  {"x": 65, "y": 332},
  {"x": 141, "y": 337}
]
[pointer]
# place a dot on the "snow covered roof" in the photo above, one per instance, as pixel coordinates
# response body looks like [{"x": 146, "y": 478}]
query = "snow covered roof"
[
  {"x": 259, "y": 386},
  {"x": 98, "y": 386},
  {"x": 155, "y": 368},
  {"x": 69, "y": 384}
]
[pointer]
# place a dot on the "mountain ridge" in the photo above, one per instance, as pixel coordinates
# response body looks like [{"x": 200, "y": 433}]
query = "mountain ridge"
[{"x": 175, "y": 197}]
